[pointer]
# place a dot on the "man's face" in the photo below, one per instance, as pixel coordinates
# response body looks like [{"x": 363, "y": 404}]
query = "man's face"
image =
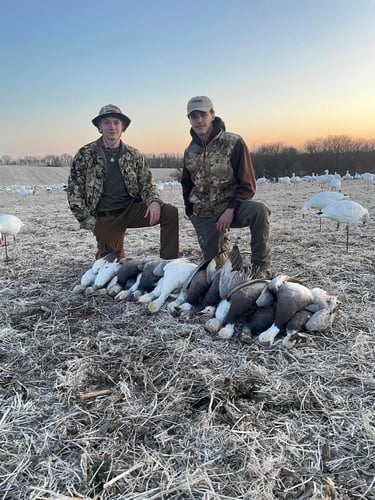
[
  {"x": 111, "y": 128},
  {"x": 201, "y": 123}
]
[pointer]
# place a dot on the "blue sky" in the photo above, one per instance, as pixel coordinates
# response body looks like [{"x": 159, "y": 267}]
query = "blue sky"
[{"x": 277, "y": 71}]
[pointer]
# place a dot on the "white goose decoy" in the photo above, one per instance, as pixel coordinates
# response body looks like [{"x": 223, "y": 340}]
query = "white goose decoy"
[
  {"x": 284, "y": 180},
  {"x": 10, "y": 225},
  {"x": 335, "y": 184},
  {"x": 26, "y": 191},
  {"x": 369, "y": 178},
  {"x": 295, "y": 179},
  {"x": 321, "y": 200},
  {"x": 262, "y": 180},
  {"x": 345, "y": 212},
  {"x": 347, "y": 176},
  {"x": 323, "y": 179}
]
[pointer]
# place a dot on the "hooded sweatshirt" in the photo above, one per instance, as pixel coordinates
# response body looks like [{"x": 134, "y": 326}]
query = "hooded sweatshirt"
[{"x": 217, "y": 174}]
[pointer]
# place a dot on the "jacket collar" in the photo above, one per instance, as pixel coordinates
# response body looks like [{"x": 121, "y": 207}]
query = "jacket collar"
[
  {"x": 218, "y": 127},
  {"x": 100, "y": 144}
]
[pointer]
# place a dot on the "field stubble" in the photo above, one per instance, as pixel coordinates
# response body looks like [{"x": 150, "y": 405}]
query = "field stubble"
[{"x": 102, "y": 400}]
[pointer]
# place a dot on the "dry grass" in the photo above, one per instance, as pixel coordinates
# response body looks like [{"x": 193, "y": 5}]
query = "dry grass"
[{"x": 101, "y": 400}]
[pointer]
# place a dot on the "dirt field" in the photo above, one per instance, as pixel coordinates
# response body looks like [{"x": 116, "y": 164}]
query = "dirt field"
[
  {"x": 100, "y": 399},
  {"x": 11, "y": 175}
]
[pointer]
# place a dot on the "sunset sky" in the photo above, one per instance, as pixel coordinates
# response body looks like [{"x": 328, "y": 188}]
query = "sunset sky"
[{"x": 277, "y": 71}]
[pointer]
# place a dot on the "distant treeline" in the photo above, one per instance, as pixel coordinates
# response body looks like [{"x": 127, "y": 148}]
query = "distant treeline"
[
  {"x": 63, "y": 160},
  {"x": 333, "y": 153}
]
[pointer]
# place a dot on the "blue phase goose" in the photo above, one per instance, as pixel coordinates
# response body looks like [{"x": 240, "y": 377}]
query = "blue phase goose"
[
  {"x": 241, "y": 303},
  {"x": 291, "y": 297}
]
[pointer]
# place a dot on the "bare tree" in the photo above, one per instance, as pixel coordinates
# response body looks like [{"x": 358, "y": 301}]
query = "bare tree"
[{"x": 6, "y": 160}]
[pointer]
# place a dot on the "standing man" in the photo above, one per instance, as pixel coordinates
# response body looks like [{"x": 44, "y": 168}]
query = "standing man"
[
  {"x": 218, "y": 185},
  {"x": 110, "y": 189}
]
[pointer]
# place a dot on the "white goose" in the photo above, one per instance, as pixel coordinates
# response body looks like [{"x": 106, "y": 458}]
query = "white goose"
[
  {"x": 369, "y": 178},
  {"x": 321, "y": 200},
  {"x": 10, "y": 225},
  {"x": 176, "y": 272},
  {"x": 88, "y": 278},
  {"x": 335, "y": 184},
  {"x": 345, "y": 212}
]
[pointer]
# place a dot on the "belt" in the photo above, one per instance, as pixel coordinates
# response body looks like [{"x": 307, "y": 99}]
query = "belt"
[{"x": 110, "y": 212}]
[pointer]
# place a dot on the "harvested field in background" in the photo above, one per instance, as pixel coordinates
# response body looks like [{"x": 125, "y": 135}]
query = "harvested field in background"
[
  {"x": 35, "y": 174},
  {"x": 100, "y": 399}
]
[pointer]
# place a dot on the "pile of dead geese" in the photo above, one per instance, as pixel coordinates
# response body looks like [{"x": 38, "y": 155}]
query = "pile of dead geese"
[{"x": 227, "y": 300}]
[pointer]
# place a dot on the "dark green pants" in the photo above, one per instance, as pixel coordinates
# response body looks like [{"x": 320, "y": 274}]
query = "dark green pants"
[{"x": 252, "y": 214}]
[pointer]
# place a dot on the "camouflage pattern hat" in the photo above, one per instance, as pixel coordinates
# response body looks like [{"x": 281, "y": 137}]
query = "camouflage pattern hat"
[{"x": 110, "y": 110}]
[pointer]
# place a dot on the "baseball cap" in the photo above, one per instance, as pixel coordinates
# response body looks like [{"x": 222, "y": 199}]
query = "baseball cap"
[
  {"x": 199, "y": 103},
  {"x": 111, "y": 110}
]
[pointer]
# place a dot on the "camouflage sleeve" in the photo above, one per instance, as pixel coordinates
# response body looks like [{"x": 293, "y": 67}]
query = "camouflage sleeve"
[
  {"x": 76, "y": 193},
  {"x": 146, "y": 185}
]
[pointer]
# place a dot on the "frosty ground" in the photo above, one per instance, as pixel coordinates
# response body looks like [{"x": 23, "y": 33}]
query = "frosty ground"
[{"x": 100, "y": 399}]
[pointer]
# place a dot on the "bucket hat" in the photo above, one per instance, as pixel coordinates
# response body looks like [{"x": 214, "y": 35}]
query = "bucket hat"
[{"x": 111, "y": 110}]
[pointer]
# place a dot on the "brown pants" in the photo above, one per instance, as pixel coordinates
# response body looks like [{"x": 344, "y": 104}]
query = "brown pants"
[{"x": 110, "y": 230}]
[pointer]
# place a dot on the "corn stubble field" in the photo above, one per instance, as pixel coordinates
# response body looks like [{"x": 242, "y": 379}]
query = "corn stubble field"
[{"x": 101, "y": 399}]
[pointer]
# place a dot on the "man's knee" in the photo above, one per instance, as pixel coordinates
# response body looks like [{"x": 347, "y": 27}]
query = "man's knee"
[
  {"x": 169, "y": 212},
  {"x": 262, "y": 209}
]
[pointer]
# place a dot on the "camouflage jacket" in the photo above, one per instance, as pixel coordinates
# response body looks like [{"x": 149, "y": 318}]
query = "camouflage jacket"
[
  {"x": 218, "y": 174},
  {"x": 87, "y": 175}
]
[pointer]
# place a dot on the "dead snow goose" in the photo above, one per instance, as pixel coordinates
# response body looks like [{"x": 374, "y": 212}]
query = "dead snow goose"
[
  {"x": 295, "y": 326},
  {"x": 322, "y": 319},
  {"x": 261, "y": 319},
  {"x": 317, "y": 316},
  {"x": 229, "y": 277},
  {"x": 176, "y": 272},
  {"x": 105, "y": 275},
  {"x": 126, "y": 275},
  {"x": 88, "y": 277},
  {"x": 291, "y": 297},
  {"x": 242, "y": 303},
  {"x": 145, "y": 280},
  {"x": 194, "y": 289}
]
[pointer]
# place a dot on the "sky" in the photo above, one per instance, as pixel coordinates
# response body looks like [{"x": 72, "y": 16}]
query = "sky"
[{"x": 277, "y": 71}]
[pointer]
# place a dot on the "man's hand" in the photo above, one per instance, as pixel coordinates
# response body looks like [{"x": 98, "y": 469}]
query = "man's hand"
[
  {"x": 153, "y": 212},
  {"x": 225, "y": 220}
]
